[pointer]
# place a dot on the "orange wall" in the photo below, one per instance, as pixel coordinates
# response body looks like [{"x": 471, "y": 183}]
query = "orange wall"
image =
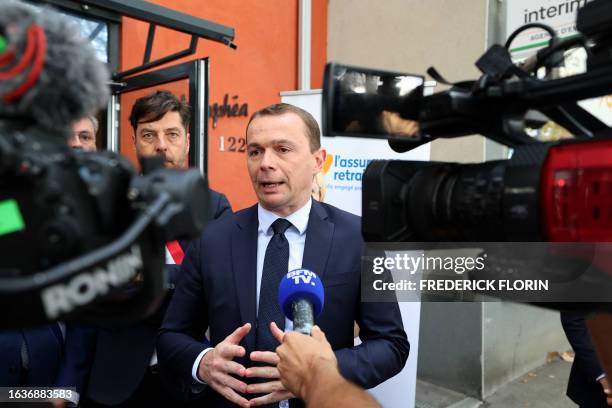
[
  {"x": 264, "y": 64},
  {"x": 318, "y": 47}
]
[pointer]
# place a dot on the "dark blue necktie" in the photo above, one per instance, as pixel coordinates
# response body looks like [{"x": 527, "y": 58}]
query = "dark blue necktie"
[{"x": 275, "y": 267}]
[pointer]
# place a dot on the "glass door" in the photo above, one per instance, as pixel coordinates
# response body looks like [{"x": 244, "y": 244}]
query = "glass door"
[{"x": 189, "y": 79}]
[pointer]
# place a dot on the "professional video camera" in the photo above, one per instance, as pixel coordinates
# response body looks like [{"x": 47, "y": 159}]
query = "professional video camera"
[
  {"x": 554, "y": 191},
  {"x": 81, "y": 234}
]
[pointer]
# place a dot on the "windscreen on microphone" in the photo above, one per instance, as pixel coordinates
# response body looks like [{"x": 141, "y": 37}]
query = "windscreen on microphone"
[
  {"x": 300, "y": 284},
  {"x": 49, "y": 74}
]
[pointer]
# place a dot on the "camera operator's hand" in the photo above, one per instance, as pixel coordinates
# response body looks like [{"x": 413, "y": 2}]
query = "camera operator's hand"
[
  {"x": 394, "y": 124},
  {"x": 605, "y": 385},
  {"x": 217, "y": 365},
  {"x": 274, "y": 389},
  {"x": 600, "y": 330},
  {"x": 308, "y": 367},
  {"x": 301, "y": 356}
]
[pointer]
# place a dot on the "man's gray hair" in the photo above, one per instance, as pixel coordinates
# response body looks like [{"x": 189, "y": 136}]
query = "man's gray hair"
[{"x": 94, "y": 122}]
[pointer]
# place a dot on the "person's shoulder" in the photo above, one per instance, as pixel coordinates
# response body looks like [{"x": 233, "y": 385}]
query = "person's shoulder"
[
  {"x": 337, "y": 213},
  {"x": 223, "y": 225},
  {"x": 219, "y": 205},
  {"x": 216, "y": 196},
  {"x": 341, "y": 217}
]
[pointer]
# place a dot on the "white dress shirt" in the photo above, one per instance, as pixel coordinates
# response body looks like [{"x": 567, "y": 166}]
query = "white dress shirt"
[
  {"x": 169, "y": 261},
  {"x": 296, "y": 236}
]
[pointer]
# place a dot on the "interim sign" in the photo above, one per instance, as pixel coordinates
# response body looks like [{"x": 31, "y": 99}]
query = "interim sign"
[{"x": 559, "y": 14}]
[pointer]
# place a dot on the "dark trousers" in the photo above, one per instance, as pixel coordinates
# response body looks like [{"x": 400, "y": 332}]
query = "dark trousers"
[{"x": 150, "y": 393}]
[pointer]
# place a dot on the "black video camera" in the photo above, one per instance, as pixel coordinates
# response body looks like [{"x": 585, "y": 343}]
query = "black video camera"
[
  {"x": 547, "y": 191},
  {"x": 81, "y": 234}
]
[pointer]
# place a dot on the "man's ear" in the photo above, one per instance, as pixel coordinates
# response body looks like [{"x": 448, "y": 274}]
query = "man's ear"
[
  {"x": 188, "y": 138},
  {"x": 320, "y": 159}
]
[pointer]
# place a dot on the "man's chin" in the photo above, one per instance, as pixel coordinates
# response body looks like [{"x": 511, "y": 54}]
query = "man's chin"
[{"x": 271, "y": 202}]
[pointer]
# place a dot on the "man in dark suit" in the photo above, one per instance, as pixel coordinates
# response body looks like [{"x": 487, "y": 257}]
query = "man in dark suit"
[
  {"x": 588, "y": 385},
  {"x": 230, "y": 279},
  {"x": 55, "y": 355},
  {"x": 124, "y": 371}
]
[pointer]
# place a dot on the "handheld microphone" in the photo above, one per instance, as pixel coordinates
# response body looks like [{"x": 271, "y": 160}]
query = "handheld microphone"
[{"x": 301, "y": 297}]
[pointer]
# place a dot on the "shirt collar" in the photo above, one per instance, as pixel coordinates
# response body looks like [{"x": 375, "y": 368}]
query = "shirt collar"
[{"x": 299, "y": 219}]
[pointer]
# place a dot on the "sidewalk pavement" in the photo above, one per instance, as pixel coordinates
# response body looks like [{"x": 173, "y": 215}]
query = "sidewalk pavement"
[{"x": 543, "y": 387}]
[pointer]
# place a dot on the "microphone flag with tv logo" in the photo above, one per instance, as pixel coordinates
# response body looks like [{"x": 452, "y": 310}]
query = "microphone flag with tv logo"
[{"x": 301, "y": 297}]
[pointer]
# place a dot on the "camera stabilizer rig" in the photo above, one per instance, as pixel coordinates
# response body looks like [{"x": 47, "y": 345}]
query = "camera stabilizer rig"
[{"x": 81, "y": 234}]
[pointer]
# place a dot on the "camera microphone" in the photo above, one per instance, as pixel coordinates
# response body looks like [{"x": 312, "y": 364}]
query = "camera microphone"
[
  {"x": 301, "y": 298},
  {"x": 86, "y": 232},
  {"x": 49, "y": 74}
]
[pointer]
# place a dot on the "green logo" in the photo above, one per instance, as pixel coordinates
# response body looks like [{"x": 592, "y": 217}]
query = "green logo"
[
  {"x": 3, "y": 44},
  {"x": 10, "y": 217}
]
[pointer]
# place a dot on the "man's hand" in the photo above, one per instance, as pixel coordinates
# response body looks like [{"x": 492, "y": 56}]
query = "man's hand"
[
  {"x": 605, "y": 384},
  {"x": 217, "y": 365},
  {"x": 274, "y": 389},
  {"x": 394, "y": 124},
  {"x": 59, "y": 403},
  {"x": 301, "y": 357}
]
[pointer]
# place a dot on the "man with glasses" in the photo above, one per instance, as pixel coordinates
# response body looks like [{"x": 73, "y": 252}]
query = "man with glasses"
[{"x": 84, "y": 134}]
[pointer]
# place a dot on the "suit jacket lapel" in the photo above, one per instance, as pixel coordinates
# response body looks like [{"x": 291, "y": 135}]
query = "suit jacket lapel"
[
  {"x": 244, "y": 267},
  {"x": 184, "y": 243},
  {"x": 319, "y": 236}
]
